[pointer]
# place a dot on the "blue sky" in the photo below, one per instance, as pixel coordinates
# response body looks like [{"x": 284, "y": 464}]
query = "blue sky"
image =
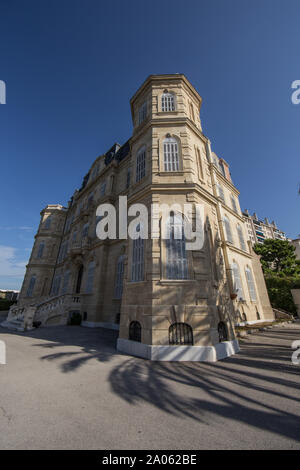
[{"x": 71, "y": 67}]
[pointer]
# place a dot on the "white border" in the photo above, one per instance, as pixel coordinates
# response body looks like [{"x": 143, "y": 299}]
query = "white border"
[{"x": 179, "y": 353}]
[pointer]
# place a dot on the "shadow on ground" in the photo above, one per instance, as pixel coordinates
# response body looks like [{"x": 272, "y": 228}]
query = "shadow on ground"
[{"x": 259, "y": 386}]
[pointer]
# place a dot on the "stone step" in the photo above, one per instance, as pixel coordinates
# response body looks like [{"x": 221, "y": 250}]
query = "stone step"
[{"x": 12, "y": 325}]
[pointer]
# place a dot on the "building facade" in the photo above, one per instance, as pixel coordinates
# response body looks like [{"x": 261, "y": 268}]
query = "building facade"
[
  {"x": 259, "y": 230},
  {"x": 167, "y": 302}
]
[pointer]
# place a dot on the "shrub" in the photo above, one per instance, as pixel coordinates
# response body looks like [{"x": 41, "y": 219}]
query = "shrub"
[
  {"x": 279, "y": 289},
  {"x": 5, "y": 304}
]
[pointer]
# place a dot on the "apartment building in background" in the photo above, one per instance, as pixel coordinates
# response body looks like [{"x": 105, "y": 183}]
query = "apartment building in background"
[{"x": 259, "y": 230}]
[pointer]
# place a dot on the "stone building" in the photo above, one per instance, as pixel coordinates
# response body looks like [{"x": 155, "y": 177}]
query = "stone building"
[{"x": 168, "y": 303}]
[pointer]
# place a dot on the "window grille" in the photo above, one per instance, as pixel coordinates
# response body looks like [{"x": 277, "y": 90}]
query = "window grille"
[{"x": 180, "y": 334}]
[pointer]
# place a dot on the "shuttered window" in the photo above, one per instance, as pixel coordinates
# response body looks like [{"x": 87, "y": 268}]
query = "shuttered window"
[
  {"x": 176, "y": 267},
  {"x": 227, "y": 229},
  {"x": 167, "y": 102},
  {"x": 237, "y": 282}
]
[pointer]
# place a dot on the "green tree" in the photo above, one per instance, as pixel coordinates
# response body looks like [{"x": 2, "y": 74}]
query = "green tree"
[{"x": 278, "y": 256}]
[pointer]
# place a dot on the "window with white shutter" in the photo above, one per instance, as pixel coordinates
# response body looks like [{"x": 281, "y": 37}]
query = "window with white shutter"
[{"x": 171, "y": 155}]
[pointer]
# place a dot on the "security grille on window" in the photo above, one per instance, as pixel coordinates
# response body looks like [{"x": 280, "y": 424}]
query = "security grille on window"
[
  {"x": 41, "y": 250},
  {"x": 142, "y": 112},
  {"x": 171, "y": 157},
  {"x": 31, "y": 286},
  {"x": 137, "y": 269},
  {"x": 119, "y": 278},
  {"x": 228, "y": 229},
  {"x": 90, "y": 278},
  {"x": 167, "y": 102},
  {"x": 237, "y": 283},
  {"x": 177, "y": 267},
  {"x": 250, "y": 282},
  {"x": 222, "y": 330},
  {"x": 141, "y": 164},
  {"x": 135, "y": 331},
  {"x": 241, "y": 237},
  {"x": 181, "y": 334}
]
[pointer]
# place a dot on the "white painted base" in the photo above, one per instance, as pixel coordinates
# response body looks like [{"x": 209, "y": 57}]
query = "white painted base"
[
  {"x": 252, "y": 322},
  {"x": 179, "y": 353},
  {"x": 94, "y": 324}
]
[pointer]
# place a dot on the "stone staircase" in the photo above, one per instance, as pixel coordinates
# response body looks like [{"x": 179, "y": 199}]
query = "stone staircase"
[{"x": 51, "y": 311}]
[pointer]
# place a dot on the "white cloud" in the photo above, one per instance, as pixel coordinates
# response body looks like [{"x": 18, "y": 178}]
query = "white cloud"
[{"x": 12, "y": 269}]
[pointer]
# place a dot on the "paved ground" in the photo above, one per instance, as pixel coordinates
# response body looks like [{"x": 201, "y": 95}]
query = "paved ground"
[{"x": 68, "y": 388}]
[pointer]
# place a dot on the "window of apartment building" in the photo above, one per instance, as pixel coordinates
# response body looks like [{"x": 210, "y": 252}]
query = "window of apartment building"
[
  {"x": 102, "y": 188},
  {"x": 176, "y": 257},
  {"x": 56, "y": 285},
  {"x": 200, "y": 164},
  {"x": 237, "y": 282},
  {"x": 85, "y": 231},
  {"x": 181, "y": 334},
  {"x": 90, "y": 200},
  {"x": 48, "y": 222},
  {"x": 142, "y": 112},
  {"x": 41, "y": 250},
  {"x": 167, "y": 102},
  {"x": 119, "y": 278},
  {"x": 90, "y": 277},
  {"x": 250, "y": 282},
  {"x": 65, "y": 283},
  {"x": 221, "y": 192},
  {"x": 227, "y": 229},
  {"x": 222, "y": 169},
  {"x": 31, "y": 285},
  {"x": 171, "y": 156},
  {"x": 233, "y": 204},
  {"x": 137, "y": 268},
  {"x": 128, "y": 178},
  {"x": 241, "y": 237},
  {"x": 141, "y": 164}
]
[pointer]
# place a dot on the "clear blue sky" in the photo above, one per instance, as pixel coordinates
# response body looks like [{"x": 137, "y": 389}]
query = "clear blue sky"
[{"x": 71, "y": 67}]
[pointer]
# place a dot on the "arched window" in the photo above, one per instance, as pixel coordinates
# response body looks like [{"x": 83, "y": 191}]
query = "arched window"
[
  {"x": 79, "y": 279},
  {"x": 237, "y": 282},
  {"x": 221, "y": 192},
  {"x": 222, "y": 330},
  {"x": 29, "y": 292},
  {"x": 171, "y": 155},
  {"x": 48, "y": 222},
  {"x": 141, "y": 164},
  {"x": 65, "y": 283},
  {"x": 137, "y": 268},
  {"x": 41, "y": 250},
  {"x": 135, "y": 331},
  {"x": 250, "y": 282},
  {"x": 176, "y": 258},
  {"x": 233, "y": 204},
  {"x": 119, "y": 278},
  {"x": 227, "y": 229},
  {"x": 90, "y": 278},
  {"x": 181, "y": 334},
  {"x": 241, "y": 237},
  {"x": 167, "y": 102}
]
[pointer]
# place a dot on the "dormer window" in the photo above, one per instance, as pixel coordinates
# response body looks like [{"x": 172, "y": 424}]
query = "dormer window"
[
  {"x": 167, "y": 102},
  {"x": 142, "y": 112}
]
